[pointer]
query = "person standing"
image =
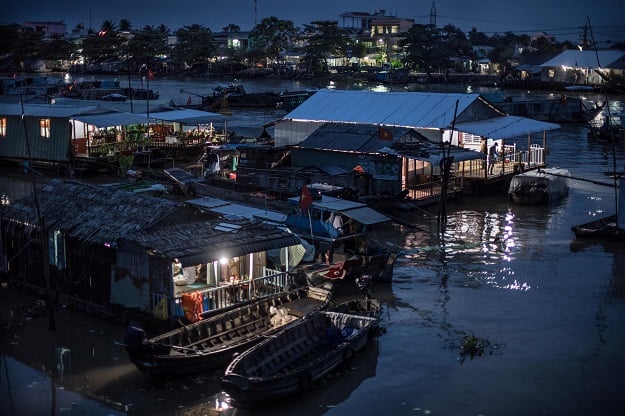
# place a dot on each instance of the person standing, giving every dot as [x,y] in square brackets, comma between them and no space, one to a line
[492,157]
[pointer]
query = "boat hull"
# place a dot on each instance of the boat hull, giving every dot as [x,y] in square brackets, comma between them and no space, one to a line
[603,228]
[297,358]
[212,342]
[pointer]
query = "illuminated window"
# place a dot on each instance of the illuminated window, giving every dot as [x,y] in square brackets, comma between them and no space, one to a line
[3,126]
[44,127]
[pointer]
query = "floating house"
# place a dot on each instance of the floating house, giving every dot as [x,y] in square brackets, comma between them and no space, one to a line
[62,135]
[113,250]
[578,68]
[399,139]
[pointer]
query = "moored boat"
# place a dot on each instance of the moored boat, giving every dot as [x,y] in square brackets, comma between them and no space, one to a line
[602,228]
[552,108]
[541,186]
[210,343]
[342,233]
[297,358]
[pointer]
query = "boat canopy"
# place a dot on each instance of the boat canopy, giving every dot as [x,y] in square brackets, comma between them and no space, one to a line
[505,127]
[355,210]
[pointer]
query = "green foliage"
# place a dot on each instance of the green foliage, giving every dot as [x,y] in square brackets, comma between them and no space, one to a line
[195,45]
[272,36]
[327,40]
[473,346]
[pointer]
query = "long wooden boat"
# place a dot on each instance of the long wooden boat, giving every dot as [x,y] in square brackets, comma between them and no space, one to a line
[297,358]
[211,342]
[605,228]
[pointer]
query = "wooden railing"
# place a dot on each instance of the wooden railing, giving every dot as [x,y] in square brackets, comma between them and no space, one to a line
[222,297]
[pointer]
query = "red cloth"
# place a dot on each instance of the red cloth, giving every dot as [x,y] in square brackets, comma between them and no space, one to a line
[305,199]
[192,306]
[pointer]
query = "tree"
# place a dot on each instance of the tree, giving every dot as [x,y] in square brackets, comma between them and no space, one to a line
[58,48]
[146,45]
[271,36]
[124,25]
[327,40]
[231,28]
[106,44]
[195,45]
[479,38]
[27,48]
[425,49]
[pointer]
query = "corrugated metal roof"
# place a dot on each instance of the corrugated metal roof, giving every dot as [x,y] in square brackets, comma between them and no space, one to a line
[350,137]
[112,119]
[352,209]
[407,109]
[43,110]
[94,214]
[229,210]
[203,243]
[105,215]
[187,116]
[586,59]
[505,127]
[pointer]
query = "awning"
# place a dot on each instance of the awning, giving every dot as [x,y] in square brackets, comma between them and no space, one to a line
[366,216]
[505,127]
[189,117]
[111,119]
[459,155]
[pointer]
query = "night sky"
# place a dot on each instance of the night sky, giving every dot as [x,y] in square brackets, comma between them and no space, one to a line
[562,19]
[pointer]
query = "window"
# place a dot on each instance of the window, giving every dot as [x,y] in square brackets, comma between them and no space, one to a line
[44,127]
[3,127]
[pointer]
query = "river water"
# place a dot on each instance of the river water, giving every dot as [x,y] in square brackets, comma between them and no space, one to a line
[550,309]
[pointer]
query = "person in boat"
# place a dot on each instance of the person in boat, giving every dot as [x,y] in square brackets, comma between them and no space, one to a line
[492,157]
[337,223]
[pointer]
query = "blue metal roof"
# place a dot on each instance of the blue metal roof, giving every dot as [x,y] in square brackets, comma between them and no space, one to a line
[407,109]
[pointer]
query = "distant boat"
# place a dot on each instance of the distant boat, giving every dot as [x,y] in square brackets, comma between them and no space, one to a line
[552,108]
[611,227]
[539,186]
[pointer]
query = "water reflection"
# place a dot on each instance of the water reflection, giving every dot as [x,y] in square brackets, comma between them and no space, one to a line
[26,391]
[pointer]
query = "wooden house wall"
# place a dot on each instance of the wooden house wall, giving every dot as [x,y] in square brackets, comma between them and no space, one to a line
[56,148]
[130,281]
[88,272]
[86,275]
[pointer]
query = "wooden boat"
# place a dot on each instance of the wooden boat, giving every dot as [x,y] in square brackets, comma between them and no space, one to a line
[345,249]
[297,358]
[211,342]
[539,186]
[603,228]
